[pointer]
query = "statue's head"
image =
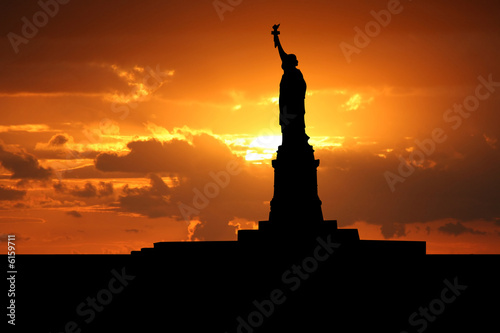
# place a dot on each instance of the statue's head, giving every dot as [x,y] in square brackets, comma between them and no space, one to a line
[290,62]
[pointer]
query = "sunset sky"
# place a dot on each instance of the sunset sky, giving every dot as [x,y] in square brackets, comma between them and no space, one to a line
[124,123]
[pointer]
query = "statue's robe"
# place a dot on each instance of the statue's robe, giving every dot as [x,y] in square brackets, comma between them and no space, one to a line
[291,103]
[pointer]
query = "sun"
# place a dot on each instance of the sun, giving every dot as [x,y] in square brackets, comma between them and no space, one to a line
[262,148]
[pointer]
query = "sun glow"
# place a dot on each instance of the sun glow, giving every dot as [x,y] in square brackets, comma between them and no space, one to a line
[262,148]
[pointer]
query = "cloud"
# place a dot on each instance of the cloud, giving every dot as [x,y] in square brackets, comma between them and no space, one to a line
[147,156]
[58,140]
[21,205]
[59,187]
[105,189]
[74,213]
[23,165]
[351,184]
[9,219]
[393,230]
[177,156]
[11,194]
[462,183]
[69,78]
[89,190]
[61,147]
[458,228]
[25,128]
[151,201]
[355,102]
[204,190]
[143,81]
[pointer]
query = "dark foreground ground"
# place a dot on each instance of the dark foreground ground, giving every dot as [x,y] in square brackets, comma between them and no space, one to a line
[231,287]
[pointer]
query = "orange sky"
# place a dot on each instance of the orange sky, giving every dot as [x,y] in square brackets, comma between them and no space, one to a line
[115,116]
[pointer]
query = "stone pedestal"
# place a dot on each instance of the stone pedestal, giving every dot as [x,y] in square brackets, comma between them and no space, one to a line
[295,198]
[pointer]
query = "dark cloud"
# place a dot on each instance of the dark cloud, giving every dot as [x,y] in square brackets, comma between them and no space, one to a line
[23,165]
[428,230]
[175,156]
[74,213]
[58,140]
[458,228]
[59,187]
[90,172]
[132,230]
[57,148]
[148,156]
[158,186]
[21,205]
[462,184]
[10,193]
[212,185]
[150,200]
[105,189]
[63,154]
[89,190]
[393,230]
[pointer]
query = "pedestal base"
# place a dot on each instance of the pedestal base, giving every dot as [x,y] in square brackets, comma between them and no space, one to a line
[271,239]
[295,198]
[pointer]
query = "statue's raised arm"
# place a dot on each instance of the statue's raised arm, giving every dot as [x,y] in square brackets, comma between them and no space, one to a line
[277,43]
[292,94]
